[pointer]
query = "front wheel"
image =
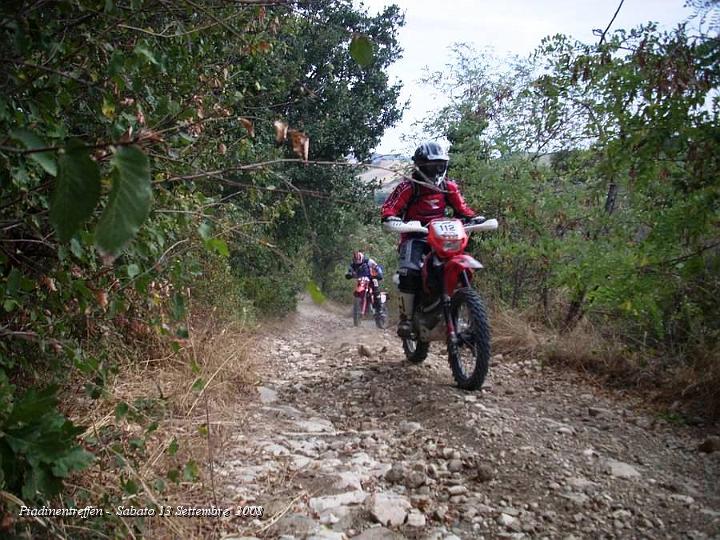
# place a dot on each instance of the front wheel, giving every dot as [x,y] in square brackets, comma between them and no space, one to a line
[470,356]
[357,310]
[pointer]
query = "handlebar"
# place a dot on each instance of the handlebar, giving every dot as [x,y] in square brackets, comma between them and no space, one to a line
[396,226]
[487,225]
[399,227]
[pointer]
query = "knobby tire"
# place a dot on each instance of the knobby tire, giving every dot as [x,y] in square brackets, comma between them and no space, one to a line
[480,336]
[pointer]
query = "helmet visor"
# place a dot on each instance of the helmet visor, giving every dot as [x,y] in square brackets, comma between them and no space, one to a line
[433,170]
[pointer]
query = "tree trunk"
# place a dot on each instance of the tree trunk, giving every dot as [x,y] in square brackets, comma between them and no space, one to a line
[610,197]
[574,312]
[518,278]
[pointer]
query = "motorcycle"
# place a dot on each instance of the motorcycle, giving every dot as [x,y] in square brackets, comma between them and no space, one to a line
[363,303]
[448,308]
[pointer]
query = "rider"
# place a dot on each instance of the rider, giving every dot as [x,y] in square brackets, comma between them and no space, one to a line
[364,266]
[423,197]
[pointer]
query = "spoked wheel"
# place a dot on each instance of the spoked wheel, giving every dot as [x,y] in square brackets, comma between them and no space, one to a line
[357,310]
[470,357]
[415,351]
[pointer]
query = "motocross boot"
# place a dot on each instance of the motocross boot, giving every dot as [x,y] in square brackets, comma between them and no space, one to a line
[406,304]
[377,304]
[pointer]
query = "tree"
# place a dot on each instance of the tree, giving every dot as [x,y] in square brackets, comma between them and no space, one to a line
[137,144]
[623,221]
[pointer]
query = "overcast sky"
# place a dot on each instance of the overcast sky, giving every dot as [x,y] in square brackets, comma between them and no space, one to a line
[506,26]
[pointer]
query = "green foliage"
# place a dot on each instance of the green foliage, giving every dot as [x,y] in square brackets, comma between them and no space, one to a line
[346,105]
[37,444]
[315,293]
[32,142]
[361,50]
[76,193]
[601,162]
[129,202]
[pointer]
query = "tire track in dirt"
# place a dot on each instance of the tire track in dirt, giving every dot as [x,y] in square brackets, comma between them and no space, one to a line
[348,440]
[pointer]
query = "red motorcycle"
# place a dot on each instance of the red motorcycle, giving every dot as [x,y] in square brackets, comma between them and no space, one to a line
[448,308]
[363,304]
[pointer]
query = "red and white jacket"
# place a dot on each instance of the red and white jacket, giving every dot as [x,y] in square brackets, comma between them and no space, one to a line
[424,203]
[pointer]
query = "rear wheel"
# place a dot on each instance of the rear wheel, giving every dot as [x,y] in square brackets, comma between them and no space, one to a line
[470,356]
[415,351]
[357,310]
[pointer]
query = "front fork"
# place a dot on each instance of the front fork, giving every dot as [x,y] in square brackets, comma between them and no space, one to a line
[452,339]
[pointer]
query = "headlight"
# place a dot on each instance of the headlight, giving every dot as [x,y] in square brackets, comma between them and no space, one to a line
[450,246]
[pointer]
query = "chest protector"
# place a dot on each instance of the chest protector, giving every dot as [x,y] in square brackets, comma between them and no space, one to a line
[426,203]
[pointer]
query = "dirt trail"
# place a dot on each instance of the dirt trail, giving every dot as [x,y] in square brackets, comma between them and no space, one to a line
[339,444]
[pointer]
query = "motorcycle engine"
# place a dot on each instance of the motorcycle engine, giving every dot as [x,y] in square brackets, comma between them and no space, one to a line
[429,325]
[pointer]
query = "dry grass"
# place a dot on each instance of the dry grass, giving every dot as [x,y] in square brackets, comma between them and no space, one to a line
[217,353]
[586,349]
[686,385]
[513,335]
[696,383]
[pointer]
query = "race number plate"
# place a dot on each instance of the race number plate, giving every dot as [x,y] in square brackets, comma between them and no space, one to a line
[447,229]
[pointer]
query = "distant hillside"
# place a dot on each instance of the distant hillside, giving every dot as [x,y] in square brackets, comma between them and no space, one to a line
[388,170]
[389,157]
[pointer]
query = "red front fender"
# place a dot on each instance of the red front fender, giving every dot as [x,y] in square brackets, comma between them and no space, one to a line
[361,286]
[456,266]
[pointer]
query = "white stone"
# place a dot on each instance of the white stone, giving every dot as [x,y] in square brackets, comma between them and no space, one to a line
[327,534]
[686,499]
[316,425]
[276,450]
[361,458]
[618,469]
[328,518]
[457,490]
[319,504]
[416,518]
[388,509]
[505,520]
[582,484]
[267,395]
[348,480]
[409,428]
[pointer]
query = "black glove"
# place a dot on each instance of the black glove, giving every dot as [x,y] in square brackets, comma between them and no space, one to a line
[348,275]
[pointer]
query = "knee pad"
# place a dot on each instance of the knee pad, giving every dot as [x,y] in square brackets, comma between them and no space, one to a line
[411,254]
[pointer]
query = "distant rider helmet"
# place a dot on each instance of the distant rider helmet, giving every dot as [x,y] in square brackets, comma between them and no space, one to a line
[357,257]
[432,162]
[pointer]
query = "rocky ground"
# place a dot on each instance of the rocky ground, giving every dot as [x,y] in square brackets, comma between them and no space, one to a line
[348,440]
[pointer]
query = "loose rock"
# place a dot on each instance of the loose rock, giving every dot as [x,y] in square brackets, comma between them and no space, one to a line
[710,445]
[388,509]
